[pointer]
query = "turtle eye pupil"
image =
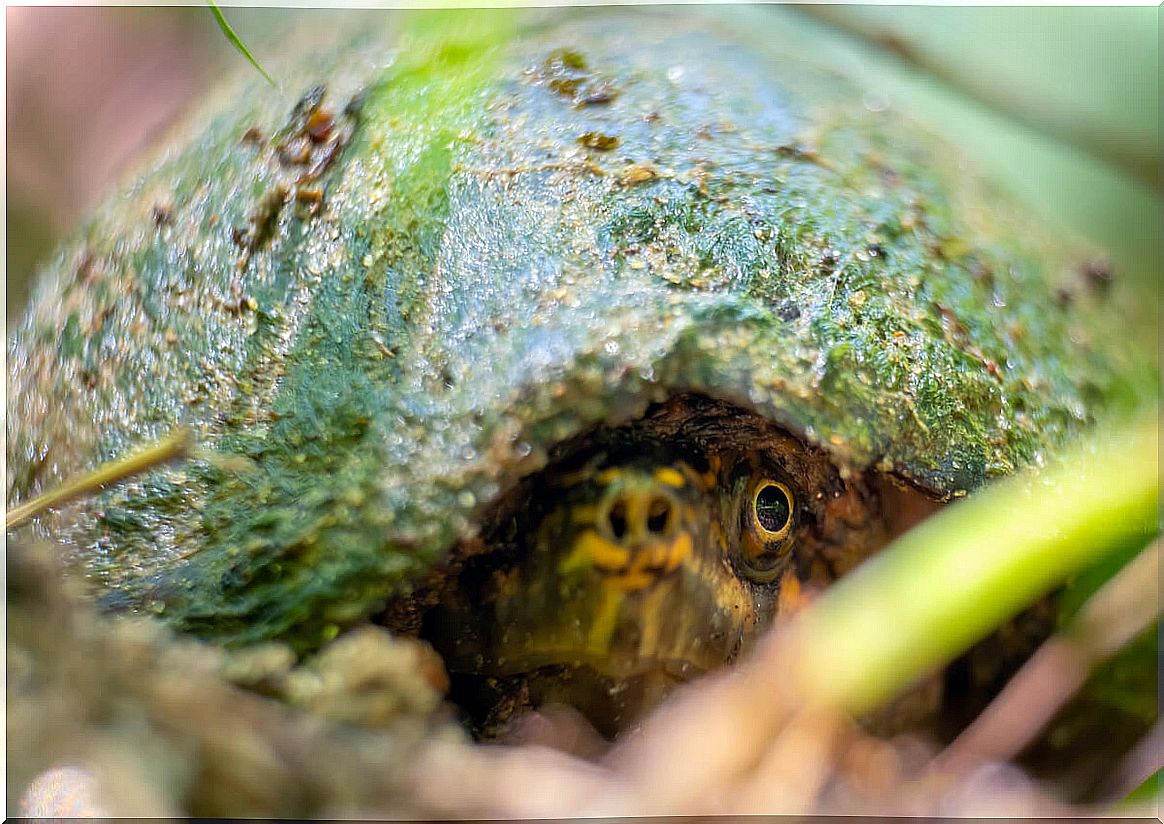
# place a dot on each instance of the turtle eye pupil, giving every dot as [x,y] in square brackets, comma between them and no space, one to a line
[773,509]
[658,516]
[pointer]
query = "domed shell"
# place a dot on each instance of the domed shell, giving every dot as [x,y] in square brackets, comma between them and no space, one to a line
[476,236]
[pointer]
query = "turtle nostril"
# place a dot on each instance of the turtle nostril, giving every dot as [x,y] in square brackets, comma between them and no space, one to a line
[659,516]
[630,518]
[618,520]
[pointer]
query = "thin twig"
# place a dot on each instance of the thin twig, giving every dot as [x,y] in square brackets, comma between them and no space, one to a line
[175,446]
[1144,761]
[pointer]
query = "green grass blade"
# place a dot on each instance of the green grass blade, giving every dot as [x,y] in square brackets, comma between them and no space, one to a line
[1149,792]
[236,41]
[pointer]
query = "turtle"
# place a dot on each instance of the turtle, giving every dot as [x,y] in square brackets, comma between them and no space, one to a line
[578,345]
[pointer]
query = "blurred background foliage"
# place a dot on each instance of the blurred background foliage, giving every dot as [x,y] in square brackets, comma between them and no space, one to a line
[86,90]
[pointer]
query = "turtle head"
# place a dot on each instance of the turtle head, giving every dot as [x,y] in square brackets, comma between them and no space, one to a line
[645,556]
[632,569]
[620,585]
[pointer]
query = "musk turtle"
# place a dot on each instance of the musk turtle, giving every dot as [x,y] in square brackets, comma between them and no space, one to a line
[574,344]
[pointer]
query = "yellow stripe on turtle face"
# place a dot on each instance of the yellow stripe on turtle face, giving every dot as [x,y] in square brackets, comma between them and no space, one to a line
[670,476]
[591,549]
[651,616]
[608,476]
[679,551]
[605,619]
[646,567]
[631,581]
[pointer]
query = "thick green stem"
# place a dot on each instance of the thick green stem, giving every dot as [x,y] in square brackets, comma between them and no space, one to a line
[962,573]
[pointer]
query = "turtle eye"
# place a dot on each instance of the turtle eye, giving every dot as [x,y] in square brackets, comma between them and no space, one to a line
[770,512]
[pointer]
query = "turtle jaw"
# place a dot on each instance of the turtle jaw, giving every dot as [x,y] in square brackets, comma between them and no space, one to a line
[680,622]
[676,624]
[587,641]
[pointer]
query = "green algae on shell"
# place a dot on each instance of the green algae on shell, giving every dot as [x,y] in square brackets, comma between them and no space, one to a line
[479,235]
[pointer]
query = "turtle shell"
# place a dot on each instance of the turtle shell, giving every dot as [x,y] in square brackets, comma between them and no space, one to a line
[478,235]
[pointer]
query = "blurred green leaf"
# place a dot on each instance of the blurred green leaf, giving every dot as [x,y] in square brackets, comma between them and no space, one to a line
[1078,75]
[1149,791]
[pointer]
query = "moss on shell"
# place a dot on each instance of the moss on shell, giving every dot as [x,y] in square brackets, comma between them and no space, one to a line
[395,321]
